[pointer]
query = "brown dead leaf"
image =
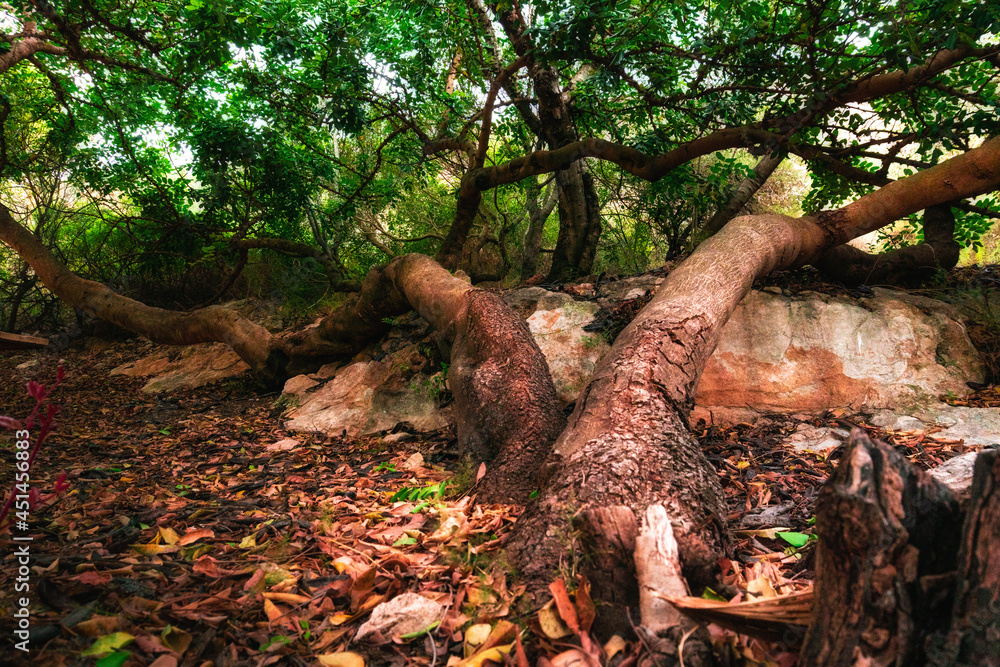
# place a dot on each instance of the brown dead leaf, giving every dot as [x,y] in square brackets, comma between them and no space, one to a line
[193,536]
[342,659]
[566,609]
[93,578]
[175,639]
[164,661]
[99,626]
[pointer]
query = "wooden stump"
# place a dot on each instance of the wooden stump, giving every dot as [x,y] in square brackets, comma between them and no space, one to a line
[888,544]
[974,635]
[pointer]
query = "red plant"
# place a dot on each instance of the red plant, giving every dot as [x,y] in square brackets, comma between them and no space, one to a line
[46,423]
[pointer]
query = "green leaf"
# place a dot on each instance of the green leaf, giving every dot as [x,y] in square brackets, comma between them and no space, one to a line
[115,659]
[795,539]
[709,594]
[404,541]
[108,643]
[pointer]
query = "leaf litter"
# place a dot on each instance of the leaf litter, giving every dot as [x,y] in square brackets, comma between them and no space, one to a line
[196,530]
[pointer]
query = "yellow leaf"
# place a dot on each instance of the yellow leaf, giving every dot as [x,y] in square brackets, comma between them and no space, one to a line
[761,587]
[249,542]
[342,659]
[290,598]
[153,549]
[272,610]
[551,623]
[475,636]
[108,643]
[169,535]
[614,646]
[742,464]
[495,654]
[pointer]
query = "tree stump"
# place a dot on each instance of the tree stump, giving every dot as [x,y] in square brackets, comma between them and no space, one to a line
[974,635]
[888,545]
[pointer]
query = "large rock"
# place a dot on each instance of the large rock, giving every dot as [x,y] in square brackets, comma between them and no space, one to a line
[572,353]
[187,367]
[369,397]
[810,352]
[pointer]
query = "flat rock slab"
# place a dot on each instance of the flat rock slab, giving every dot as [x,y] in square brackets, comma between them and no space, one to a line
[188,367]
[975,426]
[369,397]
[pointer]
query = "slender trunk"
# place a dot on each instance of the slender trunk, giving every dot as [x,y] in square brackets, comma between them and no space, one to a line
[747,188]
[538,213]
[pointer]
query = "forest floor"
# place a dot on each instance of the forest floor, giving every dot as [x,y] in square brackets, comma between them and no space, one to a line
[192,529]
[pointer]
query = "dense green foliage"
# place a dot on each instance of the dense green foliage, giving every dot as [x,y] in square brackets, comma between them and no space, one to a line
[151,137]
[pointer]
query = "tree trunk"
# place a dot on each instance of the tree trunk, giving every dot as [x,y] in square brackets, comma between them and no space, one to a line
[974,635]
[505,401]
[207,325]
[538,213]
[627,442]
[579,224]
[904,266]
[901,579]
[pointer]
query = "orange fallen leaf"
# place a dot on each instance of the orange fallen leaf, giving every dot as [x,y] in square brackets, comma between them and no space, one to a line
[193,536]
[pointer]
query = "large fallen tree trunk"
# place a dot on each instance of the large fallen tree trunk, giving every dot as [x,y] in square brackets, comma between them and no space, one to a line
[627,443]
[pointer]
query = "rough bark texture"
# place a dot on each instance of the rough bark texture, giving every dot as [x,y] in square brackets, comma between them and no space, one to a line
[903,266]
[887,543]
[974,635]
[506,407]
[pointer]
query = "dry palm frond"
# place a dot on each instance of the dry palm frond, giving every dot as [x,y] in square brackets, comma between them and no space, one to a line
[772,619]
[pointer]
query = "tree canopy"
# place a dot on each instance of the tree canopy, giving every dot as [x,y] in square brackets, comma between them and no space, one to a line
[347,132]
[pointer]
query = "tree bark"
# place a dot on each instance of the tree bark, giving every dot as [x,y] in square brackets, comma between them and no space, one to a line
[974,635]
[506,407]
[903,266]
[887,541]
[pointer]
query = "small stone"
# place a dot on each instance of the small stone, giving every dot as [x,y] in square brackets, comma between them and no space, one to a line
[956,473]
[283,445]
[299,385]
